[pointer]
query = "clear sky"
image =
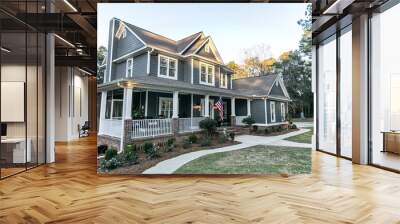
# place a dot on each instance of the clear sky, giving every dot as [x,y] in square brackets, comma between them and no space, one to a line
[233,27]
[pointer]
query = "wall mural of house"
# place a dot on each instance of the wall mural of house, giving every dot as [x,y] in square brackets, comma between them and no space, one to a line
[155,86]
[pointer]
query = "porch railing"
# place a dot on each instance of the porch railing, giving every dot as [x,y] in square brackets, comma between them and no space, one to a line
[239,120]
[151,127]
[189,124]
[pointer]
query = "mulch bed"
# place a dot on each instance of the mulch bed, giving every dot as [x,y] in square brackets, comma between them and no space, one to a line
[262,133]
[145,163]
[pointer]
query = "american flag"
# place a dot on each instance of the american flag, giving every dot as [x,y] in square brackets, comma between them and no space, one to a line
[220,107]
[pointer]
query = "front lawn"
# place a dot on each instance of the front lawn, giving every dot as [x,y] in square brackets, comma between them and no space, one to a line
[302,138]
[253,160]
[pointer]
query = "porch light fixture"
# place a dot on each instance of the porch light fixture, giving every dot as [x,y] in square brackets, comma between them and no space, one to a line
[64,40]
[5,50]
[70,5]
[127,84]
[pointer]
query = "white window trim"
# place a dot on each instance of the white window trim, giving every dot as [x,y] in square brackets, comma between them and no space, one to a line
[283,111]
[160,99]
[167,76]
[272,111]
[112,110]
[213,75]
[126,67]
[221,75]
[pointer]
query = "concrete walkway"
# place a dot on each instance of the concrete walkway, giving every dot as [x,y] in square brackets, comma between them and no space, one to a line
[171,165]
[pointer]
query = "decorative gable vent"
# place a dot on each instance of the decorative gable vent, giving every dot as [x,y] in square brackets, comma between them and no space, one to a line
[121,32]
[207,48]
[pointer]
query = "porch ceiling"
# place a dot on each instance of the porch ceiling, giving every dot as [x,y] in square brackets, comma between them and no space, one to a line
[169,85]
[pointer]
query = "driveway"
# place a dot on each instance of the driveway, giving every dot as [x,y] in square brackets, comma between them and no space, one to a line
[171,165]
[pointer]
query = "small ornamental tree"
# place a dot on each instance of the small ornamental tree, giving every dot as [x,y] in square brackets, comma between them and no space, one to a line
[209,125]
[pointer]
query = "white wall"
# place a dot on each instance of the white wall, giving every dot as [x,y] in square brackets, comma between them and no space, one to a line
[71,102]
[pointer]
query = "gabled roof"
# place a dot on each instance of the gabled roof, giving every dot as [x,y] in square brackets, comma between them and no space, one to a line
[184,43]
[259,85]
[183,47]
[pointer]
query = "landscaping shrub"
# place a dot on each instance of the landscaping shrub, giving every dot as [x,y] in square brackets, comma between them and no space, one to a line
[101,149]
[130,156]
[112,163]
[130,148]
[267,130]
[232,135]
[192,139]
[205,142]
[209,125]
[147,147]
[249,121]
[151,150]
[293,126]
[110,153]
[170,145]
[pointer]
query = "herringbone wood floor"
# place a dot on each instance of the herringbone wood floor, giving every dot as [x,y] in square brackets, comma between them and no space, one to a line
[70,191]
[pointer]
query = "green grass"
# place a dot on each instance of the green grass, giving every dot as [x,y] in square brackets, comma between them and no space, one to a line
[302,138]
[253,160]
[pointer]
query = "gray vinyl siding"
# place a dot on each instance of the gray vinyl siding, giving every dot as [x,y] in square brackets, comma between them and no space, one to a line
[118,71]
[196,71]
[153,65]
[257,110]
[125,45]
[277,90]
[140,65]
[241,107]
[109,58]
[229,81]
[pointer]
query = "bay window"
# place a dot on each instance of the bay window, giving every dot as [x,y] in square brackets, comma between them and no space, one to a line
[207,74]
[167,67]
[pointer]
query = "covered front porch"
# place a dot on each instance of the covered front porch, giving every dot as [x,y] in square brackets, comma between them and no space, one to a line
[139,113]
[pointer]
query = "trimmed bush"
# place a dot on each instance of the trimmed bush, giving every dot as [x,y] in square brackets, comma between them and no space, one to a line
[192,138]
[112,163]
[130,148]
[101,149]
[293,126]
[170,142]
[147,147]
[130,157]
[255,128]
[110,153]
[249,121]
[186,144]
[267,130]
[232,135]
[209,125]
[205,142]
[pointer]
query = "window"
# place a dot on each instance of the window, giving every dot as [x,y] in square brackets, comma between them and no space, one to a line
[207,74]
[114,104]
[283,111]
[167,67]
[165,107]
[223,80]
[129,67]
[272,107]
[207,48]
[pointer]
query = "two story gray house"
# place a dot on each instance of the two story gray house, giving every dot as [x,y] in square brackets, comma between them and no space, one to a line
[155,86]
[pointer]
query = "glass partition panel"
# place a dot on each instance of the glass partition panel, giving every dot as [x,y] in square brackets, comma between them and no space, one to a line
[346,93]
[14,153]
[385,89]
[327,96]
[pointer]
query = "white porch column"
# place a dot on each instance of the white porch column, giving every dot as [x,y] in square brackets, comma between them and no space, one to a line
[266,110]
[102,111]
[233,112]
[248,107]
[148,62]
[128,104]
[175,106]
[207,106]
[146,103]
